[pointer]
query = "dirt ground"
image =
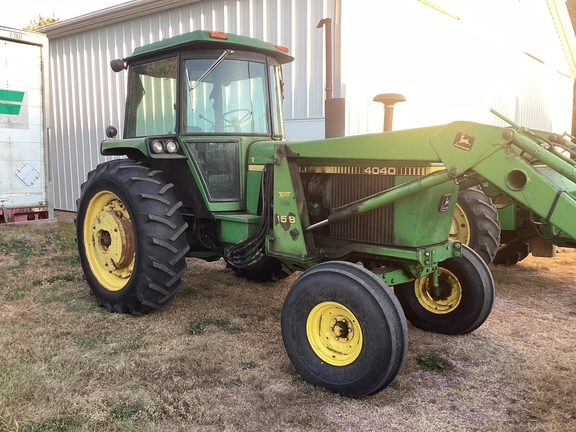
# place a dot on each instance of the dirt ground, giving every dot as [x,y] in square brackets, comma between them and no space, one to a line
[213,359]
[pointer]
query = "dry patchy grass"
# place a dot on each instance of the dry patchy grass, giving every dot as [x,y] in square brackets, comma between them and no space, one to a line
[213,359]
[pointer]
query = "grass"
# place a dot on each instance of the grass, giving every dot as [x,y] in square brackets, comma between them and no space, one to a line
[213,359]
[20,248]
[92,341]
[52,425]
[199,326]
[433,362]
[201,289]
[125,412]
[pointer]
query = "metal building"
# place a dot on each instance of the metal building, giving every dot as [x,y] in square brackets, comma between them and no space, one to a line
[87,96]
[452,59]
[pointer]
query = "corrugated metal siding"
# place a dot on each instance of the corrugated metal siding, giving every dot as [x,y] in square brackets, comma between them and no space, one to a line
[87,96]
[544,96]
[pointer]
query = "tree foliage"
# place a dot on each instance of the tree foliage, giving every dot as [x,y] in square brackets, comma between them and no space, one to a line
[41,22]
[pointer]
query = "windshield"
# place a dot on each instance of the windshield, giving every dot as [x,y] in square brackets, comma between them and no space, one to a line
[231,98]
[152,99]
[220,96]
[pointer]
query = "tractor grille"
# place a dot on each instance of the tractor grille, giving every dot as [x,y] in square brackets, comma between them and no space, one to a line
[376,226]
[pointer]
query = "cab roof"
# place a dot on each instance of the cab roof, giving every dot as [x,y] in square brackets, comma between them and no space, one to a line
[199,39]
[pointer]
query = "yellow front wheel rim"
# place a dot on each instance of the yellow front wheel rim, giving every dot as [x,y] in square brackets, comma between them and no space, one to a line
[443,299]
[108,238]
[460,229]
[334,333]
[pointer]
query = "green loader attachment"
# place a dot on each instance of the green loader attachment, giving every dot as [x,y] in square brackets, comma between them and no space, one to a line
[523,231]
[209,175]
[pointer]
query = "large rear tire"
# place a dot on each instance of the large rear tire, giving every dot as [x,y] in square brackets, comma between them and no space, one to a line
[130,236]
[462,302]
[513,252]
[344,330]
[476,223]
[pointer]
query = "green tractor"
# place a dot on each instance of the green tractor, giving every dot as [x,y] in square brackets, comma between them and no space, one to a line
[207,174]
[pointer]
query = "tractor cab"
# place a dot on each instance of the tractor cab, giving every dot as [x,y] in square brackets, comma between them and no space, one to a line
[221,92]
[203,97]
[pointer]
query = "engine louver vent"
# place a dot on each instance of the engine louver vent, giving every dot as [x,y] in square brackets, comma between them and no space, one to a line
[376,226]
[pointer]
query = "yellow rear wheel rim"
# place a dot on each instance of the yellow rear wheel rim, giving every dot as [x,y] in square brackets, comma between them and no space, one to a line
[442,300]
[460,229]
[334,333]
[108,238]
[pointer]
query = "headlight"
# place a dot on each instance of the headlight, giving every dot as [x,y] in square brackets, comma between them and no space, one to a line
[164,148]
[171,147]
[157,146]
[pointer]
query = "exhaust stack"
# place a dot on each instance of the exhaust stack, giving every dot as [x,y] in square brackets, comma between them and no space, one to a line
[334,108]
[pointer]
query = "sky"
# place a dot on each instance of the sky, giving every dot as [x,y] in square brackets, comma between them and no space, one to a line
[28,10]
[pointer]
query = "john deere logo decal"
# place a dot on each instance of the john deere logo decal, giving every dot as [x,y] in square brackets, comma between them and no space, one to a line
[463,141]
[11,102]
[445,202]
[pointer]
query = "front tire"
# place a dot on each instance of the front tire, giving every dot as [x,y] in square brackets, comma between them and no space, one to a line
[344,330]
[130,235]
[461,303]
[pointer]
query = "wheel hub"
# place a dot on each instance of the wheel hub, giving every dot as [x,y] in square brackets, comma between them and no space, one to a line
[341,329]
[109,240]
[113,239]
[442,299]
[105,240]
[334,333]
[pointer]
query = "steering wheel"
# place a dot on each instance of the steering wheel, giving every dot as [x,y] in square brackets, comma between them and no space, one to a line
[234,122]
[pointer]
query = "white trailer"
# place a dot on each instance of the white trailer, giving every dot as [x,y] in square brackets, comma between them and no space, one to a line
[24,176]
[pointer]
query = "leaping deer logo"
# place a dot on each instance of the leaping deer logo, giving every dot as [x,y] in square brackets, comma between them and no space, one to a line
[463,141]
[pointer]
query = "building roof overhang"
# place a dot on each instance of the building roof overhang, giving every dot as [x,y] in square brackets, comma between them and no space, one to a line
[111,15]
